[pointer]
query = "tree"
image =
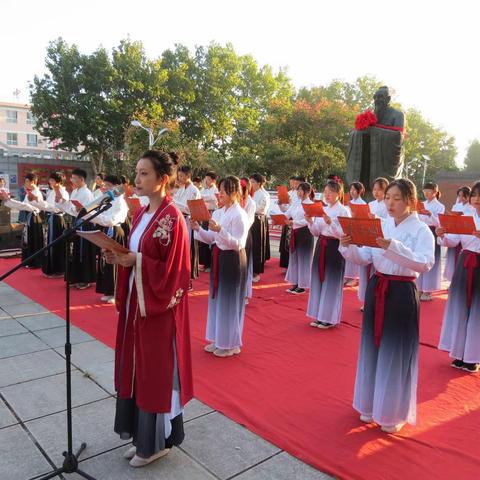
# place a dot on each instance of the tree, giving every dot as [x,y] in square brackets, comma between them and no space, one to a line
[86,102]
[472,160]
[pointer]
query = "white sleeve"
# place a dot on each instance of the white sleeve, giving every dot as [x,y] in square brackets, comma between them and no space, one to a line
[449,240]
[16,205]
[115,215]
[316,227]
[235,240]
[356,254]
[422,260]
[67,207]
[44,205]
[205,236]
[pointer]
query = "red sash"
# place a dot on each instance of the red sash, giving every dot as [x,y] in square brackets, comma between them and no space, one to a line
[470,263]
[321,256]
[381,289]
[215,258]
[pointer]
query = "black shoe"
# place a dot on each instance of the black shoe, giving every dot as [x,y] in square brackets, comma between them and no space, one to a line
[291,289]
[298,291]
[457,364]
[190,286]
[471,367]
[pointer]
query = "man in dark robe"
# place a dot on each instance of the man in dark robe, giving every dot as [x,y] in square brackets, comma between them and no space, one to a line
[376,150]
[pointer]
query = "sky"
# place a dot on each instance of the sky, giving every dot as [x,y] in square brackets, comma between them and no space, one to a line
[426,51]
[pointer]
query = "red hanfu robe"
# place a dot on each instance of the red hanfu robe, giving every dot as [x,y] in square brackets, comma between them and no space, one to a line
[157,315]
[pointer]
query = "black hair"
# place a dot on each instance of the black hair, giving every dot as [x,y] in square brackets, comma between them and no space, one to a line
[32,177]
[307,189]
[80,172]
[113,179]
[101,175]
[231,185]
[475,190]
[174,156]
[336,186]
[465,191]
[186,169]
[57,176]
[358,186]
[293,177]
[258,177]
[196,179]
[407,189]
[300,178]
[433,186]
[382,183]
[162,162]
[124,179]
[212,175]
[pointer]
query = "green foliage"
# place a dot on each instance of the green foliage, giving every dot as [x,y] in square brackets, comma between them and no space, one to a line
[223,111]
[472,160]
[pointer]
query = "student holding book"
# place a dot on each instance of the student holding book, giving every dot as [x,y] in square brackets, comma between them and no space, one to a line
[209,195]
[352,272]
[378,209]
[187,191]
[328,266]
[82,266]
[387,369]
[153,374]
[228,232]
[301,242]
[430,281]
[249,206]
[54,259]
[461,322]
[32,237]
[111,223]
[462,205]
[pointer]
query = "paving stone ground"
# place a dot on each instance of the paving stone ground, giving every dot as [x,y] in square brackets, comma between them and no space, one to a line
[33,418]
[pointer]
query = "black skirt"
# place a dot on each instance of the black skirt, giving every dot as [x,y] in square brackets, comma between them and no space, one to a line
[83,258]
[260,243]
[106,272]
[54,258]
[32,240]
[204,251]
[284,247]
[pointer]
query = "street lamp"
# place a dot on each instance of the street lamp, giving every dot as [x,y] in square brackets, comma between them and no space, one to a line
[425,159]
[151,139]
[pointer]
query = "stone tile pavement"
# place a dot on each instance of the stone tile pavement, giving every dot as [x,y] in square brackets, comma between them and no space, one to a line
[33,419]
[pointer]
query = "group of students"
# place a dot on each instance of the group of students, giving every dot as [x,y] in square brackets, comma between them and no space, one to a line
[153,376]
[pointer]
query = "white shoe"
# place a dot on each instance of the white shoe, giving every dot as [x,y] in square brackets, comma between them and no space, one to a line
[108,299]
[366,418]
[247,301]
[324,325]
[138,462]
[210,348]
[392,428]
[130,453]
[229,352]
[256,279]
[314,324]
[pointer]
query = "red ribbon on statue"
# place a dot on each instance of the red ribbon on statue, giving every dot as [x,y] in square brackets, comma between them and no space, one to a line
[322,254]
[381,290]
[215,258]
[368,119]
[470,263]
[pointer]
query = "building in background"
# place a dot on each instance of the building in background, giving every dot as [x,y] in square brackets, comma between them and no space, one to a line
[24,150]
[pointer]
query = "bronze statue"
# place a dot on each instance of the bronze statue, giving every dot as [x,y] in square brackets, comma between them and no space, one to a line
[376,145]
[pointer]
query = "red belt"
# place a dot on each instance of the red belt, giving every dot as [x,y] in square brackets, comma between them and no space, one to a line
[292,240]
[321,257]
[215,257]
[470,263]
[381,289]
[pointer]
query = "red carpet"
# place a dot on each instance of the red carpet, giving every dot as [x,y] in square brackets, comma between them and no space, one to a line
[293,385]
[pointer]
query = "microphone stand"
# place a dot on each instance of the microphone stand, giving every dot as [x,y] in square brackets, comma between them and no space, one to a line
[70,464]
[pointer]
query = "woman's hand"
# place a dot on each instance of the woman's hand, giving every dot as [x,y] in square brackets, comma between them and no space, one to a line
[383,243]
[309,219]
[372,215]
[440,231]
[194,225]
[476,233]
[214,226]
[3,195]
[345,240]
[425,212]
[123,259]
[327,219]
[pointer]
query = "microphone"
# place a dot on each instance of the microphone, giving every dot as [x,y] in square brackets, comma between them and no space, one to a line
[107,197]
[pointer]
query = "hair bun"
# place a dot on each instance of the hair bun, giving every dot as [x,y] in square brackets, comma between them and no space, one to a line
[174,156]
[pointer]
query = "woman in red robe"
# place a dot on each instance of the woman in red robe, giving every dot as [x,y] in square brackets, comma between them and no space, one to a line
[153,375]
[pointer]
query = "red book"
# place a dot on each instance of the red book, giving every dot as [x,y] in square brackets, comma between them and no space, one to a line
[364,231]
[198,210]
[279,219]
[283,197]
[359,211]
[459,224]
[313,209]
